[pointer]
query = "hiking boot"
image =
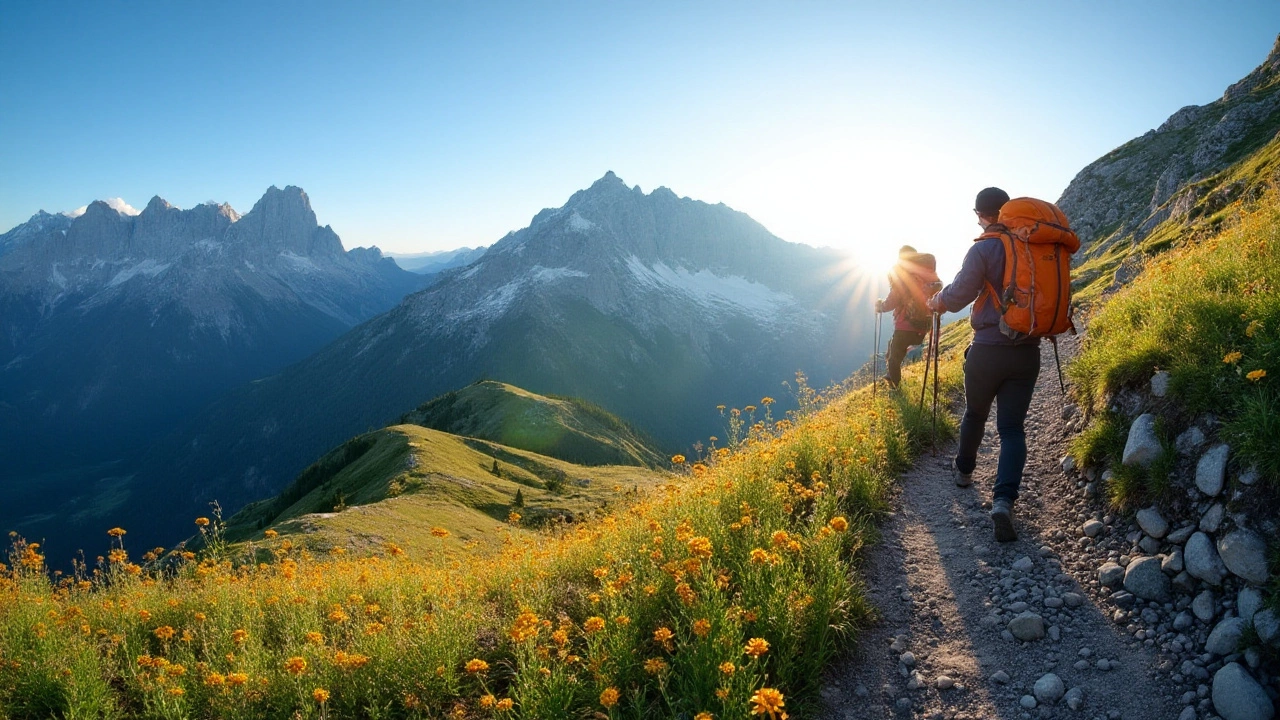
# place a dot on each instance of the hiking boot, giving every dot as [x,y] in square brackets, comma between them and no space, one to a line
[1002,519]
[962,479]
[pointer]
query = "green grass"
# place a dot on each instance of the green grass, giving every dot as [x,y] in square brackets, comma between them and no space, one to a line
[1189,313]
[561,427]
[396,484]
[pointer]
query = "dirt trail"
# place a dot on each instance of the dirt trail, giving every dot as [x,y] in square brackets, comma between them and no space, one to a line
[946,591]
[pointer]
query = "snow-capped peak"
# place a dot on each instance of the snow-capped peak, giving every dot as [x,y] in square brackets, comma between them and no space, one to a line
[115,203]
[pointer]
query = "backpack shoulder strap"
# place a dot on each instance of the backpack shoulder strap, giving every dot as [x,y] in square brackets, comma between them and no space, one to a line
[996,231]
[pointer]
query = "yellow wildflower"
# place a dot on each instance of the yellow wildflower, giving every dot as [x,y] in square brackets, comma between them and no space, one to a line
[767,701]
[320,695]
[1256,375]
[609,697]
[756,647]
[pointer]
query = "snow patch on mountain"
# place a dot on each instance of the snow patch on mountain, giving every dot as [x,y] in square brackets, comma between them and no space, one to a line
[546,274]
[472,271]
[577,223]
[710,290]
[301,264]
[148,267]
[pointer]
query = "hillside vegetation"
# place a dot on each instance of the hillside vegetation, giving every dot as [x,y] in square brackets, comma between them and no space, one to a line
[567,428]
[1208,313]
[396,484]
[722,593]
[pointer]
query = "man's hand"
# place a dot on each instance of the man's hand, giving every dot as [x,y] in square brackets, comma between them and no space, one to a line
[935,303]
[879,306]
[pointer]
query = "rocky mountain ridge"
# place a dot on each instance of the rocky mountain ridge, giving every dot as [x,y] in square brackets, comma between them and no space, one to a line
[1184,172]
[114,327]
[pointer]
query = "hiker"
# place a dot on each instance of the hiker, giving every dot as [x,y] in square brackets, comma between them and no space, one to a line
[910,283]
[1003,360]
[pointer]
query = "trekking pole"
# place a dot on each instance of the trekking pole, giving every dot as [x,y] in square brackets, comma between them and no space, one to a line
[875,350]
[924,381]
[937,330]
[1062,386]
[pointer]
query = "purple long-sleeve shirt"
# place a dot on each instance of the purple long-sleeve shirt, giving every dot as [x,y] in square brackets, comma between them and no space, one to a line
[983,263]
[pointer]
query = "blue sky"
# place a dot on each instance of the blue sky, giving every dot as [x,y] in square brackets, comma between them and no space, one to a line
[419,126]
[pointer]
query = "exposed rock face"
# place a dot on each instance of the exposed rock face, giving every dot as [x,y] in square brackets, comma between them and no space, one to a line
[1124,195]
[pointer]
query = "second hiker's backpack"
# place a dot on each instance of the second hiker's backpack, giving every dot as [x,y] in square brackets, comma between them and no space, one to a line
[915,276]
[1035,300]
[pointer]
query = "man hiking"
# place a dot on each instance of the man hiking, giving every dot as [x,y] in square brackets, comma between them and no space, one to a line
[910,283]
[997,367]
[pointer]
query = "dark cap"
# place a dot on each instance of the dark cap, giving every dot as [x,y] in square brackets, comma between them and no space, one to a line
[990,200]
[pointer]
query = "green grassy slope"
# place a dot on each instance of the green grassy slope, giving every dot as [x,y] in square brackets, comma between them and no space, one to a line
[1208,313]
[398,483]
[560,427]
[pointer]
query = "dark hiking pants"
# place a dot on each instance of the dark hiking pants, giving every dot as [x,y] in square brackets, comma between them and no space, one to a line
[898,344]
[1007,375]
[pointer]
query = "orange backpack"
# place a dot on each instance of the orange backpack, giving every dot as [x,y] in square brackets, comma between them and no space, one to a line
[1038,243]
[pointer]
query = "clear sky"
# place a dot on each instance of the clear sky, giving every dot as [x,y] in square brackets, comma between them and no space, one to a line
[424,125]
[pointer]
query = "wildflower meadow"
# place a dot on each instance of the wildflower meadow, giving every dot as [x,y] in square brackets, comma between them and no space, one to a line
[723,594]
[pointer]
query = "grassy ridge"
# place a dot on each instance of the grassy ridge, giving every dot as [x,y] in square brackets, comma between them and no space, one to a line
[567,428]
[396,484]
[721,594]
[1208,313]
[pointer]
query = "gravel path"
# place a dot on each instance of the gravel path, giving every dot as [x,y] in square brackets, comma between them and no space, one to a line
[947,593]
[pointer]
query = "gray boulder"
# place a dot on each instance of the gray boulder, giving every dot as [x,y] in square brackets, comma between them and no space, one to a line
[1204,606]
[1075,698]
[1146,579]
[1152,522]
[1202,560]
[1160,384]
[1267,626]
[1212,518]
[1212,470]
[1225,637]
[1190,440]
[1142,446]
[1179,536]
[1237,696]
[1245,554]
[1110,574]
[1172,563]
[1248,602]
[1027,627]
[1049,689]
[1092,528]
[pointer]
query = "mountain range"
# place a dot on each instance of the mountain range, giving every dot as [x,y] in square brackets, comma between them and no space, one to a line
[116,327]
[430,263]
[654,307]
